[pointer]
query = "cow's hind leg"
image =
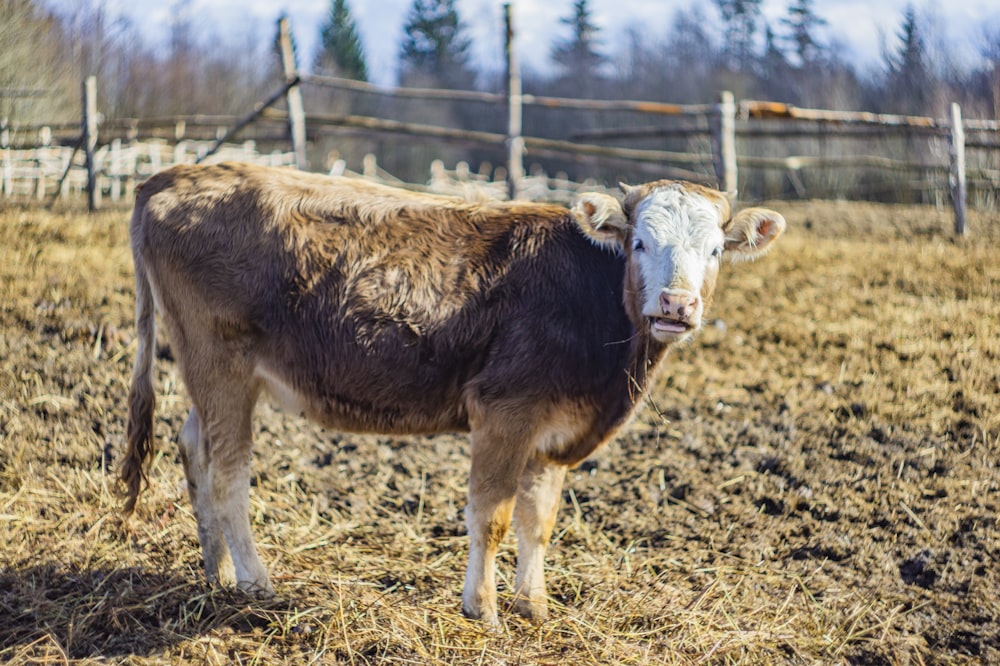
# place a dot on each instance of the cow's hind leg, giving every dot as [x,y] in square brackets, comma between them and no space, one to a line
[229,434]
[538,499]
[224,394]
[194,455]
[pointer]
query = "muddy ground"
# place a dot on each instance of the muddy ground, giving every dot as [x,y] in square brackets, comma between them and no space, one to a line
[814,480]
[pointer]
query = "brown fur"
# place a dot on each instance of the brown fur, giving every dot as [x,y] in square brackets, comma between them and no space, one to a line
[380,310]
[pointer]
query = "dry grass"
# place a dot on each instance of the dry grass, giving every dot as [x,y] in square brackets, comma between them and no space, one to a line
[814,482]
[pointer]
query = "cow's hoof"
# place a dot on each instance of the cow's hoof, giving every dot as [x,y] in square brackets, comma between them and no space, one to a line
[256,589]
[485,615]
[534,610]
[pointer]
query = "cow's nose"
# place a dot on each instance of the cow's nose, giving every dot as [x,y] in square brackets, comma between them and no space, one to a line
[678,304]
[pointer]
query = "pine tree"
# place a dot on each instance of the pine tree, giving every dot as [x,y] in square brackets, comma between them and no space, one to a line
[802,24]
[578,56]
[340,47]
[435,44]
[739,18]
[909,74]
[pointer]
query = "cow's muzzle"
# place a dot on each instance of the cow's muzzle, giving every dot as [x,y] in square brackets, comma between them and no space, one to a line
[679,313]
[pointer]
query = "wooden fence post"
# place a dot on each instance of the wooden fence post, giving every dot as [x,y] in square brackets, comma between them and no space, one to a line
[90,140]
[296,110]
[6,178]
[42,154]
[724,143]
[117,169]
[515,141]
[956,177]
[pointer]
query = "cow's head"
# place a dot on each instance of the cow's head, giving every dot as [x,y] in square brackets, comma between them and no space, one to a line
[674,236]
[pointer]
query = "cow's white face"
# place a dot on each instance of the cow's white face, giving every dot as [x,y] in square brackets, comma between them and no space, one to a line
[674,236]
[675,249]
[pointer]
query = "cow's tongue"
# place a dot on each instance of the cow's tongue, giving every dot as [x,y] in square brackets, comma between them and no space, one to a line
[669,325]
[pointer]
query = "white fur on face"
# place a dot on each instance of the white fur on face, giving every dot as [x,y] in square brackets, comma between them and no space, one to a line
[676,241]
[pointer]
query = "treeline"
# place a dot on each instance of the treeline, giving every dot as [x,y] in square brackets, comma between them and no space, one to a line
[199,70]
[708,47]
[723,45]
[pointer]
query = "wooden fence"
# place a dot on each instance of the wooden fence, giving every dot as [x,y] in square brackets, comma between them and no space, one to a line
[733,142]
[45,162]
[48,171]
[722,122]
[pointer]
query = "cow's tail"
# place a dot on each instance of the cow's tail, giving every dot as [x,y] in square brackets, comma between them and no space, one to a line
[141,395]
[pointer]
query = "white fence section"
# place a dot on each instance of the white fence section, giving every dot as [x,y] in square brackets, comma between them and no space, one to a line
[60,171]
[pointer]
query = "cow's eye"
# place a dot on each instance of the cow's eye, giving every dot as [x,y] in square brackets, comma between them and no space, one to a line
[717,253]
[638,246]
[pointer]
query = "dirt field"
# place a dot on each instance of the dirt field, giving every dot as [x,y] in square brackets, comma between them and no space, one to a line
[814,481]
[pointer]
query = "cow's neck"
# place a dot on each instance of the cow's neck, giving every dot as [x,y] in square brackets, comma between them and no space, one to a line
[644,360]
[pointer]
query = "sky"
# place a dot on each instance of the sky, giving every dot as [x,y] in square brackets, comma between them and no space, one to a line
[861,25]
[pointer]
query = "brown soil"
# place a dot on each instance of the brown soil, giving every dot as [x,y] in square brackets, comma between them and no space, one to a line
[815,480]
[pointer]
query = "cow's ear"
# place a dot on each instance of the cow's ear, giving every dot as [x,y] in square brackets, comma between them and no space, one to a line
[601,218]
[750,232]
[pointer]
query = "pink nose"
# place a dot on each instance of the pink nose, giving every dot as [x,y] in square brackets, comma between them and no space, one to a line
[678,304]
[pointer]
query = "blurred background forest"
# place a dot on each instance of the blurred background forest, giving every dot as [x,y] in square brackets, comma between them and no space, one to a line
[709,47]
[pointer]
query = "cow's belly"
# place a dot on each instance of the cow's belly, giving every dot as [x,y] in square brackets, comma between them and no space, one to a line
[403,414]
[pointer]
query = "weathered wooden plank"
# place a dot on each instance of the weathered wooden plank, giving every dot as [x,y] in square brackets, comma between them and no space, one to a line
[296,110]
[515,141]
[956,177]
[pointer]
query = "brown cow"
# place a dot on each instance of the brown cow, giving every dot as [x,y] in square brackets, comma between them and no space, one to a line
[370,309]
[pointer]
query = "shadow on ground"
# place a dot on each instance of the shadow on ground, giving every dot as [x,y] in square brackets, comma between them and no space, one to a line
[49,610]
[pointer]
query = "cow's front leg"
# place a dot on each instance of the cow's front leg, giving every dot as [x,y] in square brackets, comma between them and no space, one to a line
[498,460]
[538,499]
